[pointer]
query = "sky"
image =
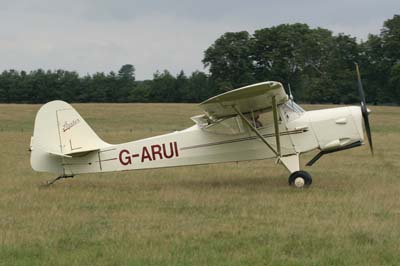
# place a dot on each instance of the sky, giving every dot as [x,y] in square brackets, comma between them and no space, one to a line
[91,36]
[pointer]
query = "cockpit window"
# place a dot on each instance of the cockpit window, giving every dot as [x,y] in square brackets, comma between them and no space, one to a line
[229,126]
[291,110]
[297,107]
[266,119]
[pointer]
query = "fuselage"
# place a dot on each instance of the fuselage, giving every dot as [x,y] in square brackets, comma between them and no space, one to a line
[299,132]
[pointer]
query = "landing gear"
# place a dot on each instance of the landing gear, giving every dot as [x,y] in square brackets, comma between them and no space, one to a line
[300,179]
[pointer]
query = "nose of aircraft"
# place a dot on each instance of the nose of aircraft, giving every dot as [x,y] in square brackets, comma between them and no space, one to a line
[337,127]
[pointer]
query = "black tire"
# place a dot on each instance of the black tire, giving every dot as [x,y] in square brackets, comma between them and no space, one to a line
[307,179]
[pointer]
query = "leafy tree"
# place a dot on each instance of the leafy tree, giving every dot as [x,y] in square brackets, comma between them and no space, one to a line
[127,72]
[230,62]
[163,88]
[126,83]
[390,35]
[199,88]
[341,69]
[278,52]
[394,82]
[380,55]
[375,69]
[292,54]
[43,86]
[8,83]
[69,86]
[141,92]
[97,87]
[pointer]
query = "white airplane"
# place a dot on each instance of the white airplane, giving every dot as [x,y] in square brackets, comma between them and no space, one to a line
[255,122]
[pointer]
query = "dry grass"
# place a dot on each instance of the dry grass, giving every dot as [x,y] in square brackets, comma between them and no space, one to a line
[227,214]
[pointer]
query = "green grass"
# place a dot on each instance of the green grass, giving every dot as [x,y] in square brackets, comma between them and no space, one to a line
[226,214]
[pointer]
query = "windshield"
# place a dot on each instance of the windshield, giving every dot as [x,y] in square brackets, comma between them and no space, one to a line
[291,110]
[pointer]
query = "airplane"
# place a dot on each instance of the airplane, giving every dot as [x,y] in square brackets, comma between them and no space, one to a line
[255,122]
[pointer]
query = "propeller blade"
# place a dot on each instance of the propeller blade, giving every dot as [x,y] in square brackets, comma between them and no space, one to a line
[368,129]
[361,90]
[364,110]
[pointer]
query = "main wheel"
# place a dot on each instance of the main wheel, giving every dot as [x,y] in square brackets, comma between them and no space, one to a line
[300,179]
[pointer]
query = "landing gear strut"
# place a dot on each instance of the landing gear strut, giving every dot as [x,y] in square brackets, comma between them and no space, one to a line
[300,179]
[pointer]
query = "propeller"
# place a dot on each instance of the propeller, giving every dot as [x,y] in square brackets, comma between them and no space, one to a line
[364,110]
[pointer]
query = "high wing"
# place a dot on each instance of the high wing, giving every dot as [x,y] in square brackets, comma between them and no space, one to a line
[257,97]
[252,98]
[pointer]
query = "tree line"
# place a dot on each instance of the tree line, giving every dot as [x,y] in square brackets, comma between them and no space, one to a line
[41,86]
[318,65]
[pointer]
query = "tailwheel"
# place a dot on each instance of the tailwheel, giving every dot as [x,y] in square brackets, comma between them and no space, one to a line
[300,179]
[51,182]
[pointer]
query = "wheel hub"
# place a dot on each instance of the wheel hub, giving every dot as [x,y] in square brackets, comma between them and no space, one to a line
[299,182]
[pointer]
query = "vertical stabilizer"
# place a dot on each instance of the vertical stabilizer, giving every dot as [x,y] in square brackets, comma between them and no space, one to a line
[60,132]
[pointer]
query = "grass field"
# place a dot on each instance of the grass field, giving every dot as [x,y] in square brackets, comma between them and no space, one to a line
[226,214]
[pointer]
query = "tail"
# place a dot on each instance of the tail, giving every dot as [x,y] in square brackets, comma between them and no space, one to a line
[60,132]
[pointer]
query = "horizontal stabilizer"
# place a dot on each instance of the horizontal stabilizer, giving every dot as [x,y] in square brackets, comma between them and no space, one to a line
[72,154]
[59,154]
[82,151]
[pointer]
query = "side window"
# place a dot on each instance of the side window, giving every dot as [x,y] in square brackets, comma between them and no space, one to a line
[267,119]
[263,120]
[230,126]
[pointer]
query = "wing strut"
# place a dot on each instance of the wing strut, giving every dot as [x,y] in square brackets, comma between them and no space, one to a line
[255,130]
[277,136]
